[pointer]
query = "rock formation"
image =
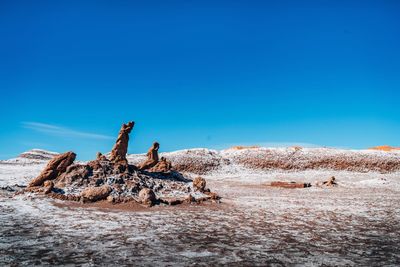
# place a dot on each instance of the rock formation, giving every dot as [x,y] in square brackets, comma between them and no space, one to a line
[162,166]
[96,193]
[331,182]
[118,153]
[116,180]
[54,168]
[290,184]
[199,184]
[48,186]
[147,196]
[152,157]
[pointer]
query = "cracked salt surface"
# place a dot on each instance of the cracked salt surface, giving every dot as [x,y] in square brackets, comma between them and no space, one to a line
[355,224]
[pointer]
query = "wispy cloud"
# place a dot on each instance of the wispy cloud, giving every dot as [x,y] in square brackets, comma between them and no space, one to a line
[62,131]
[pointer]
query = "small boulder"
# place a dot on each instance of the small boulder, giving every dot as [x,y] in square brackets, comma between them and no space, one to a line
[147,196]
[199,184]
[48,186]
[96,193]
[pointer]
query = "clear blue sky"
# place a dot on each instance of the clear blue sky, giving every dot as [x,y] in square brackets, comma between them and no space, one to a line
[198,74]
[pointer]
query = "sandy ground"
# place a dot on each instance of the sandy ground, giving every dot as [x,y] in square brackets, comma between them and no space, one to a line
[355,224]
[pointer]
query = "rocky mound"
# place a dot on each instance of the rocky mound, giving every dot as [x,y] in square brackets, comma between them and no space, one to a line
[114,179]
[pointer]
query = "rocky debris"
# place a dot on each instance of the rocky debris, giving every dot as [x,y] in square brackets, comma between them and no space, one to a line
[152,157]
[118,153]
[75,173]
[101,157]
[96,193]
[147,197]
[199,184]
[289,184]
[330,183]
[163,165]
[54,168]
[48,186]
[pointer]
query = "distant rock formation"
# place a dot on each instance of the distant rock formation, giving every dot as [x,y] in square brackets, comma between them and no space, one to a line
[330,183]
[118,153]
[38,154]
[152,157]
[385,148]
[290,184]
[54,168]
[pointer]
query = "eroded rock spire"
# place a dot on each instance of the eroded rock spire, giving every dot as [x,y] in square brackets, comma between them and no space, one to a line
[118,153]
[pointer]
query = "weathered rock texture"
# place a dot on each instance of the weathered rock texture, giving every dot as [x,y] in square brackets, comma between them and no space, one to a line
[162,166]
[118,153]
[96,193]
[152,157]
[147,196]
[54,168]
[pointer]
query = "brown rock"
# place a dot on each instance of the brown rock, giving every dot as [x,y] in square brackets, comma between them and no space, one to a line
[110,199]
[199,184]
[290,184]
[190,199]
[100,157]
[147,196]
[331,182]
[75,173]
[49,185]
[152,157]
[162,166]
[96,193]
[118,153]
[54,168]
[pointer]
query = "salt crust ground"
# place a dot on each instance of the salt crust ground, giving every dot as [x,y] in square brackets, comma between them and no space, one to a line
[357,223]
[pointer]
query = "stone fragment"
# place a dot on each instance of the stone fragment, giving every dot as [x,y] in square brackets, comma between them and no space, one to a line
[199,184]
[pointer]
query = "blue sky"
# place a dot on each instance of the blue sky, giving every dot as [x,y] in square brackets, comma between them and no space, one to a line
[198,74]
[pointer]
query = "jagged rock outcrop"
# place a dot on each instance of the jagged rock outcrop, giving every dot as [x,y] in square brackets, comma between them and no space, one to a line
[118,153]
[96,193]
[54,168]
[152,157]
